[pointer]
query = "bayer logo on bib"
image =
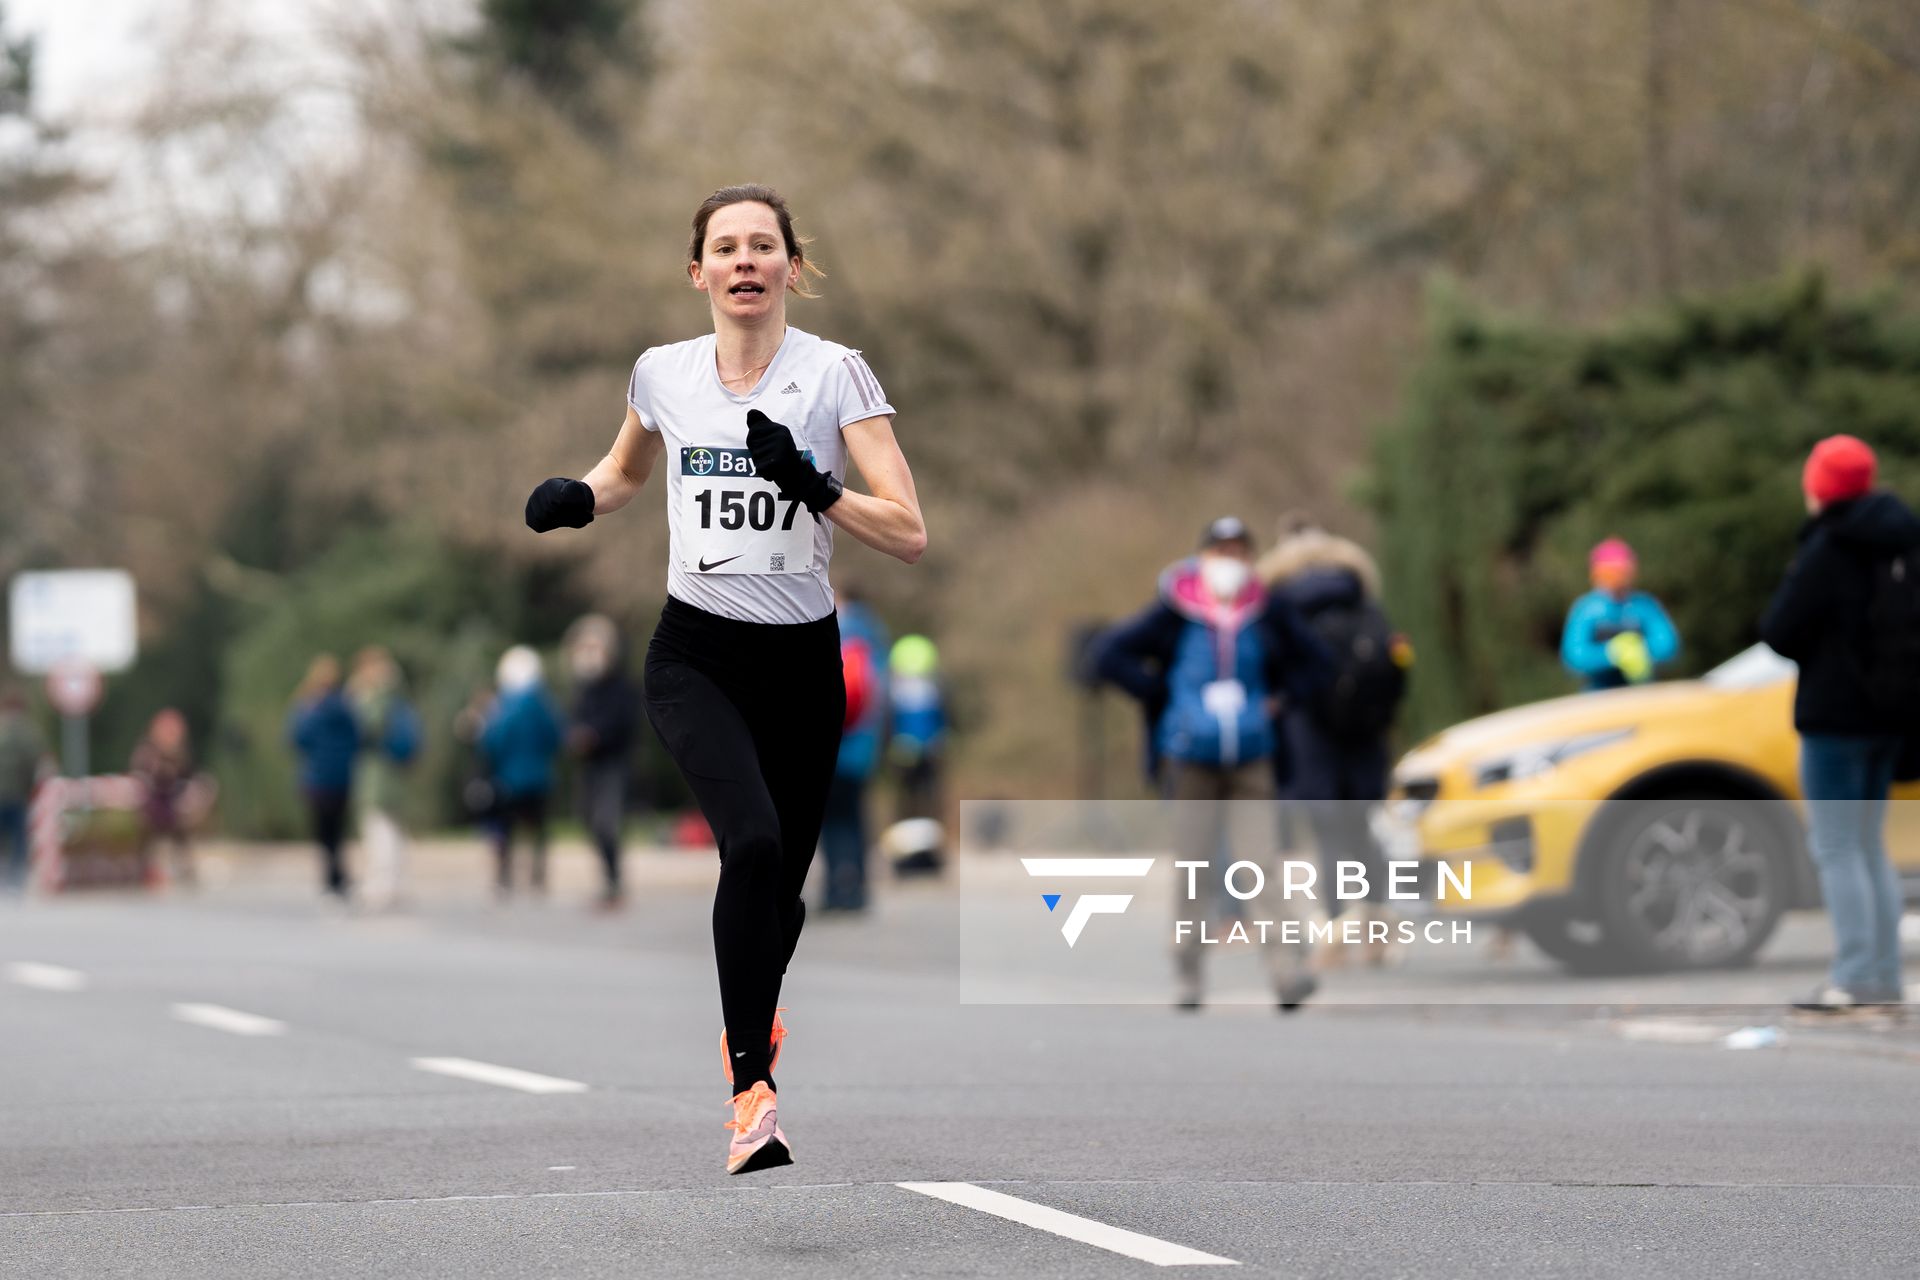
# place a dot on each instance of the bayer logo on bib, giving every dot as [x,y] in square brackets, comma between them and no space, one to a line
[731,521]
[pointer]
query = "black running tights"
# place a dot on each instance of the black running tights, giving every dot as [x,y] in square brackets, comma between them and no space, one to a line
[751,713]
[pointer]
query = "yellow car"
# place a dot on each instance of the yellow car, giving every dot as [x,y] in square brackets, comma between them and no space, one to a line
[1650,827]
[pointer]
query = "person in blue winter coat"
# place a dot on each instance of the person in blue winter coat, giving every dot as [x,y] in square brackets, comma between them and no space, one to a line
[843,832]
[1615,635]
[520,740]
[1210,661]
[323,731]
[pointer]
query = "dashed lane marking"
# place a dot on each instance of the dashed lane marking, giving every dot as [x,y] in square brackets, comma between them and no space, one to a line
[46,977]
[505,1077]
[220,1018]
[762,1189]
[1131,1244]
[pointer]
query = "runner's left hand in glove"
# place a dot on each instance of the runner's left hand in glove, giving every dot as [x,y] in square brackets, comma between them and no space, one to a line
[559,503]
[777,458]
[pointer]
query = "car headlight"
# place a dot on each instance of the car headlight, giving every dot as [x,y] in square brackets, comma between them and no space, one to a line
[1537,758]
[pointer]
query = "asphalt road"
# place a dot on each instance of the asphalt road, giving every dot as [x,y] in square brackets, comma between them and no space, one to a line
[143,1133]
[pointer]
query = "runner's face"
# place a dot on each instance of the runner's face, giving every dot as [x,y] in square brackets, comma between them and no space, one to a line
[744,268]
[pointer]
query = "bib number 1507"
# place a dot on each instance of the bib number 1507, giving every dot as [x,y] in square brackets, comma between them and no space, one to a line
[736,509]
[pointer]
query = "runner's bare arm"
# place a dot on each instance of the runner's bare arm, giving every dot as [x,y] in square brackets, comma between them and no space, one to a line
[889,518]
[621,474]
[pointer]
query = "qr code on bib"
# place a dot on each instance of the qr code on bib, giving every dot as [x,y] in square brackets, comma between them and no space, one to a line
[777,562]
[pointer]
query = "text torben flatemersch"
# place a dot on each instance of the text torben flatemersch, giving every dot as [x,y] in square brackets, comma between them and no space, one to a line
[1248,880]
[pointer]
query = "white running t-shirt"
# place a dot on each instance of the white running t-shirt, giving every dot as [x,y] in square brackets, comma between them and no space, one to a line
[737,548]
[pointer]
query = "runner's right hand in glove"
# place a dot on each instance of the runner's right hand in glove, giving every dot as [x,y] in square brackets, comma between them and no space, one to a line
[558,503]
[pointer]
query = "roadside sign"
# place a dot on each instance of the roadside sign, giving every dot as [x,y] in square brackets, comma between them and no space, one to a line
[84,614]
[73,687]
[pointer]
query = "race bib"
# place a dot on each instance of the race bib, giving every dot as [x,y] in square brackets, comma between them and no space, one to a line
[731,521]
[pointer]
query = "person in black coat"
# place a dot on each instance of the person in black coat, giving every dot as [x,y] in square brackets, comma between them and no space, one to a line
[1338,746]
[1850,722]
[606,713]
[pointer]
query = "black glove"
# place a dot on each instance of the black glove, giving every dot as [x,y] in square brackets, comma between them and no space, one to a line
[777,458]
[559,502]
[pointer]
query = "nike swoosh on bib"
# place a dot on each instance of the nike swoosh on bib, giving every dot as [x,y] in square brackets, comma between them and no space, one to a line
[705,567]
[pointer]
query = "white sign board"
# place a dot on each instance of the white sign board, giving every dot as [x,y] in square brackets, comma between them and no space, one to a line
[86,614]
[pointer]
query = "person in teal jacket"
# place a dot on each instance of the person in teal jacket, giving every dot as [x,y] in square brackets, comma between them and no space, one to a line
[520,741]
[1615,635]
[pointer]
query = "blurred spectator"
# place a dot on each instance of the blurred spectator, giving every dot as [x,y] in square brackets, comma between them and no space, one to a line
[917,736]
[1848,613]
[606,710]
[1209,661]
[23,757]
[843,834]
[1337,741]
[323,730]
[391,728]
[163,764]
[520,741]
[1615,635]
[476,785]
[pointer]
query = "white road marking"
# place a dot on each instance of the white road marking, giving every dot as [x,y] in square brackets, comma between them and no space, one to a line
[505,1077]
[1098,1234]
[231,1020]
[1668,1031]
[798,1188]
[47,977]
[562,1168]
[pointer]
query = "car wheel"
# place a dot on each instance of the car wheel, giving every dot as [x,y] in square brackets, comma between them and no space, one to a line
[1691,884]
[1579,945]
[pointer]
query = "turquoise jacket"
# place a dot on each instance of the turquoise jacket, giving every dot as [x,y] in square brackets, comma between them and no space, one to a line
[1598,617]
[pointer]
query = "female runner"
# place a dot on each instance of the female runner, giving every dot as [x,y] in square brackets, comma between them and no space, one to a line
[757,422]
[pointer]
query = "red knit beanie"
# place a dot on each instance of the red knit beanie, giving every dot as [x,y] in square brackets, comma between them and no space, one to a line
[1840,467]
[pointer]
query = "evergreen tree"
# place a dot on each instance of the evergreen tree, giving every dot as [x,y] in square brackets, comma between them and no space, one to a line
[1520,445]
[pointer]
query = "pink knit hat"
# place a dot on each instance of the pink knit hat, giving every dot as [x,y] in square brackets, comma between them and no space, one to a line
[1612,552]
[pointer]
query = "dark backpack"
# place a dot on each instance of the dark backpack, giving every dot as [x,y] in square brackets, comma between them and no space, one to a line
[1360,702]
[1893,637]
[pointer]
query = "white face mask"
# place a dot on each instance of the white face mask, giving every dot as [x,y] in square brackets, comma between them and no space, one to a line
[1223,576]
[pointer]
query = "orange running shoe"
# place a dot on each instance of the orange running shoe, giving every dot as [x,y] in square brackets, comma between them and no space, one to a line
[757,1142]
[779,1035]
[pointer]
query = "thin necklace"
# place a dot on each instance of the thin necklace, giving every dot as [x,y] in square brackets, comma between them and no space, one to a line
[741,377]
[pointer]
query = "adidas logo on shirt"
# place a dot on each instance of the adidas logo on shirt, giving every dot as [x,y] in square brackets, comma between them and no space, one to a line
[791,389]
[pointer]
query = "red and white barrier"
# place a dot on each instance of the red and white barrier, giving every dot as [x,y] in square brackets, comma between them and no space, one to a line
[58,804]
